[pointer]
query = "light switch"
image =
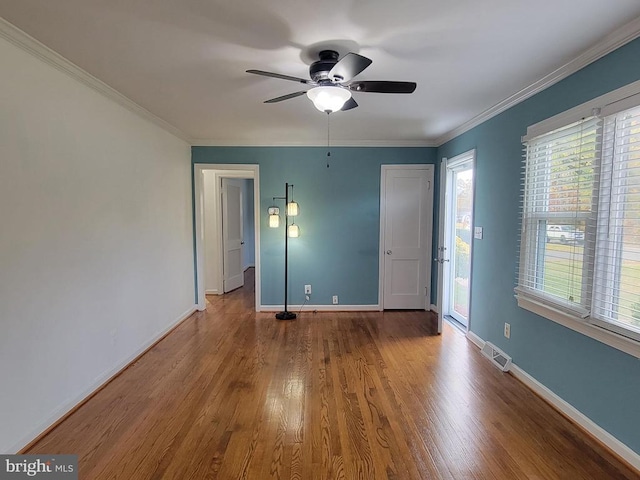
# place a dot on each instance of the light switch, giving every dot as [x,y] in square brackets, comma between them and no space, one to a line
[477,233]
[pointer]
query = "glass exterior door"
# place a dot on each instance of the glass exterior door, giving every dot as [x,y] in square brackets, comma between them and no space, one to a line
[455,253]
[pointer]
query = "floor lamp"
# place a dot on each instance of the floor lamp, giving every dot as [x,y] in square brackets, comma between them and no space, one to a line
[291,209]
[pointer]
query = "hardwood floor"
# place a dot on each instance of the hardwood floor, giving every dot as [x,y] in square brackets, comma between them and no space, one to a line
[233,394]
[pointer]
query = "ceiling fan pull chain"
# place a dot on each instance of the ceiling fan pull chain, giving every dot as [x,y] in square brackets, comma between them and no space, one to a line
[328,136]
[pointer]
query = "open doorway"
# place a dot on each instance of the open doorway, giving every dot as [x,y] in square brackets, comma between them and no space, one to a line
[455,245]
[237,232]
[225,251]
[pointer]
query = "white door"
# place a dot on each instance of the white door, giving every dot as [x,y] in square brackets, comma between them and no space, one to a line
[406,226]
[454,250]
[233,275]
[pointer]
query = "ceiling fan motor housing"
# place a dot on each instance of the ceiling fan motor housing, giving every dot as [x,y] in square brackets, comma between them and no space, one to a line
[319,70]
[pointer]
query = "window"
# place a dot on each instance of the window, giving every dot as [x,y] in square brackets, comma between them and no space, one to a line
[616,298]
[580,240]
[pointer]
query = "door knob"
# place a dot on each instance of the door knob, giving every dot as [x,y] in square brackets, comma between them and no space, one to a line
[242,243]
[389,252]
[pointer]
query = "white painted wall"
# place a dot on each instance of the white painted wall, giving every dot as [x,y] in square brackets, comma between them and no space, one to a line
[212,267]
[96,252]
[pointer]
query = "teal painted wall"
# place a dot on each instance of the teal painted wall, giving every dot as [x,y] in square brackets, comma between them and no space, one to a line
[598,380]
[337,251]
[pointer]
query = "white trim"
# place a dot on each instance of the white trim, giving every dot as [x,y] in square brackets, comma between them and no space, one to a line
[224,170]
[321,308]
[434,308]
[565,319]
[198,199]
[381,226]
[569,315]
[579,418]
[608,44]
[475,339]
[569,411]
[214,291]
[29,44]
[611,42]
[247,267]
[609,103]
[441,224]
[448,167]
[96,385]
[625,103]
[204,142]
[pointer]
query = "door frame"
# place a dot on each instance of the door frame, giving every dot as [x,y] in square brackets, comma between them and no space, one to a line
[442,224]
[240,171]
[429,240]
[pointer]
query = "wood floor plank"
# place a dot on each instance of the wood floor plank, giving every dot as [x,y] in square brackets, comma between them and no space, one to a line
[234,394]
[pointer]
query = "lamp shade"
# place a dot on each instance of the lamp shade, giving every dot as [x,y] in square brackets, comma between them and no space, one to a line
[294,231]
[292,209]
[274,217]
[329,98]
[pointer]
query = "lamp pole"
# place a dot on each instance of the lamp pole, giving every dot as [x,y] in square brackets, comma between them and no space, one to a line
[286,315]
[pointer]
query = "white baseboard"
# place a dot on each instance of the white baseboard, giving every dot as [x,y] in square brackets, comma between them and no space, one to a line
[569,411]
[213,291]
[433,308]
[475,339]
[321,308]
[98,383]
[247,267]
[578,417]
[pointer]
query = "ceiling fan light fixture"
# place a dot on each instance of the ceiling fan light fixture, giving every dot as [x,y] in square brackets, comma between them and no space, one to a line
[329,98]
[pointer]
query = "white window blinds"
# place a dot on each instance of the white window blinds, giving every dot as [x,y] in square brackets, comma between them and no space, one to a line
[580,244]
[616,292]
[558,216]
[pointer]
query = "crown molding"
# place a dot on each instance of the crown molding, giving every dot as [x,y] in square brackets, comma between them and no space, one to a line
[203,142]
[608,44]
[29,44]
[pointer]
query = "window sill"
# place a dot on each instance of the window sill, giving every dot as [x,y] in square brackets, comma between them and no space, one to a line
[579,325]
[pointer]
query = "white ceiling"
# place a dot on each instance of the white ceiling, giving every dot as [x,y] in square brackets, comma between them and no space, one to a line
[185,60]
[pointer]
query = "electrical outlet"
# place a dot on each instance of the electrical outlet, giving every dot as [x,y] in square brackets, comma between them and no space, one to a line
[307,290]
[507,330]
[335,299]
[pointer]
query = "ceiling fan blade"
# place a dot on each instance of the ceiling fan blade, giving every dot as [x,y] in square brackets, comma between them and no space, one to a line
[349,104]
[278,75]
[376,86]
[285,97]
[351,65]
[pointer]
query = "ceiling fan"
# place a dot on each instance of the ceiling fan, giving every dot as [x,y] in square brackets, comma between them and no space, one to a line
[331,82]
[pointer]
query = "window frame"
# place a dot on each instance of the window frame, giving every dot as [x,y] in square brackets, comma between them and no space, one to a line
[568,315]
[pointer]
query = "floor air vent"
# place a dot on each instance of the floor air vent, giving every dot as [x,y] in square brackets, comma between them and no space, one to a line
[497,356]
